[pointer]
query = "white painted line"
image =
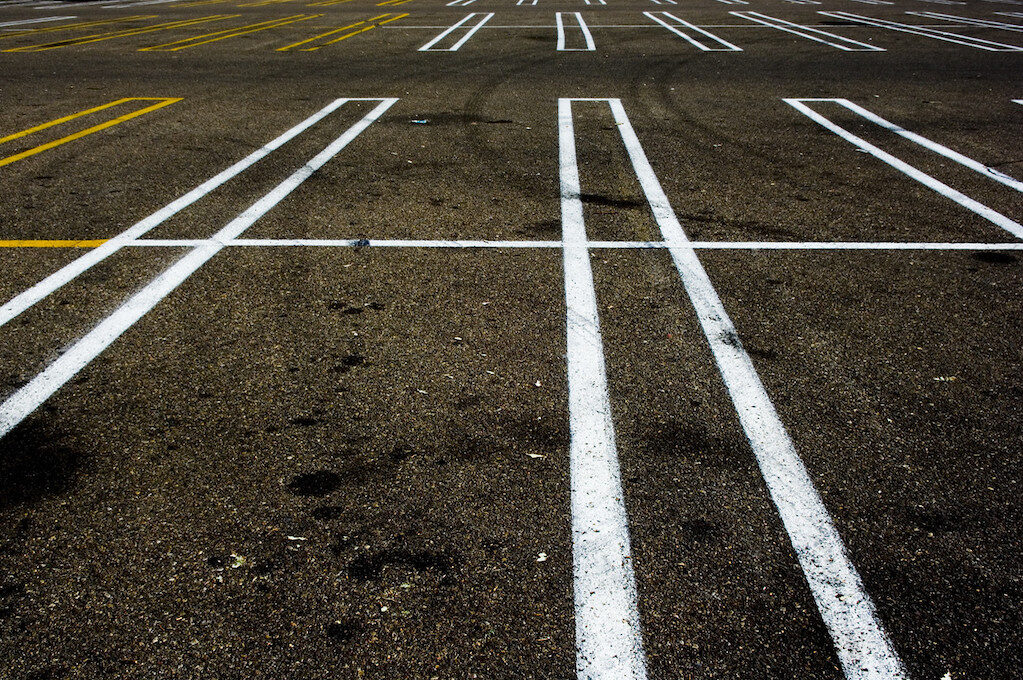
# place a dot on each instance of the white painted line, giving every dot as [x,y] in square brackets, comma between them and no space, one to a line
[609,645]
[845,44]
[804,2]
[526,2]
[460,3]
[976,166]
[861,643]
[428,47]
[875,2]
[615,245]
[734,2]
[976,207]
[138,4]
[27,399]
[33,21]
[807,245]
[390,243]
[944,2]
[1017,101]
[969,20]
[582,26]
[26,299]
[956,38]
[595,2]
[1010,14]
[674,28]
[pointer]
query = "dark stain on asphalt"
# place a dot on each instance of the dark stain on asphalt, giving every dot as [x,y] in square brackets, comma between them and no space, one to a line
[698,529]
[303,421]
[318,483]
[935,521]
[371,567]
[401,453]
[344,630]
[994,257]
[350,362]
[690,442]
[327,512]
[621,203]
[34,464]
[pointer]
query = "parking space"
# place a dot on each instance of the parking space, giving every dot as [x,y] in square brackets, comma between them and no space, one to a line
[488,338]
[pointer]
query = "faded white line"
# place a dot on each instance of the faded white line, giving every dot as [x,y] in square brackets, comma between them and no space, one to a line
[956,38]
[33,21]
[861,643]
[26,299]
[969,20]
[845,44]
[725,45]
[962,199]
[27,399]
[608,641]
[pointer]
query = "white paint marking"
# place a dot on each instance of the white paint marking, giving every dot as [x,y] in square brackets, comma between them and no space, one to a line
[863,647]
[499,244]
[804,2]
[428,47]
[969,20]
[734,2]
[976,166]
[26,299]
[956,38]
[976,207]
[33,21]
[725,45]
[1017,101]
[845,44]
[582,26]
[875,2]
[138,4]
[944,2]
[608,640]
[27,399]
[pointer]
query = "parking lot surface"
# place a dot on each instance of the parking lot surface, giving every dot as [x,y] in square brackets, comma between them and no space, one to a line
[605,339]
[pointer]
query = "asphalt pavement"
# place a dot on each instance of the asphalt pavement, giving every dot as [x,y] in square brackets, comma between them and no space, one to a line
[582,339]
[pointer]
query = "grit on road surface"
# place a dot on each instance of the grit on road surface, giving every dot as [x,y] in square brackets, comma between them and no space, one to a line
[494,339]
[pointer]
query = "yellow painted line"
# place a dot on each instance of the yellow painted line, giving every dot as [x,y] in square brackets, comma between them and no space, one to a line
[391,2]
[161,102]
[52,244]
[264,3]
[121,34]
[328,33]
[230,33]
[65,119]
[81,24]
[328,3]
[353,33]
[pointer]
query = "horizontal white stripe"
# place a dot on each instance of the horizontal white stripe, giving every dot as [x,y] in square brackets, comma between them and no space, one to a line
[618,245]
